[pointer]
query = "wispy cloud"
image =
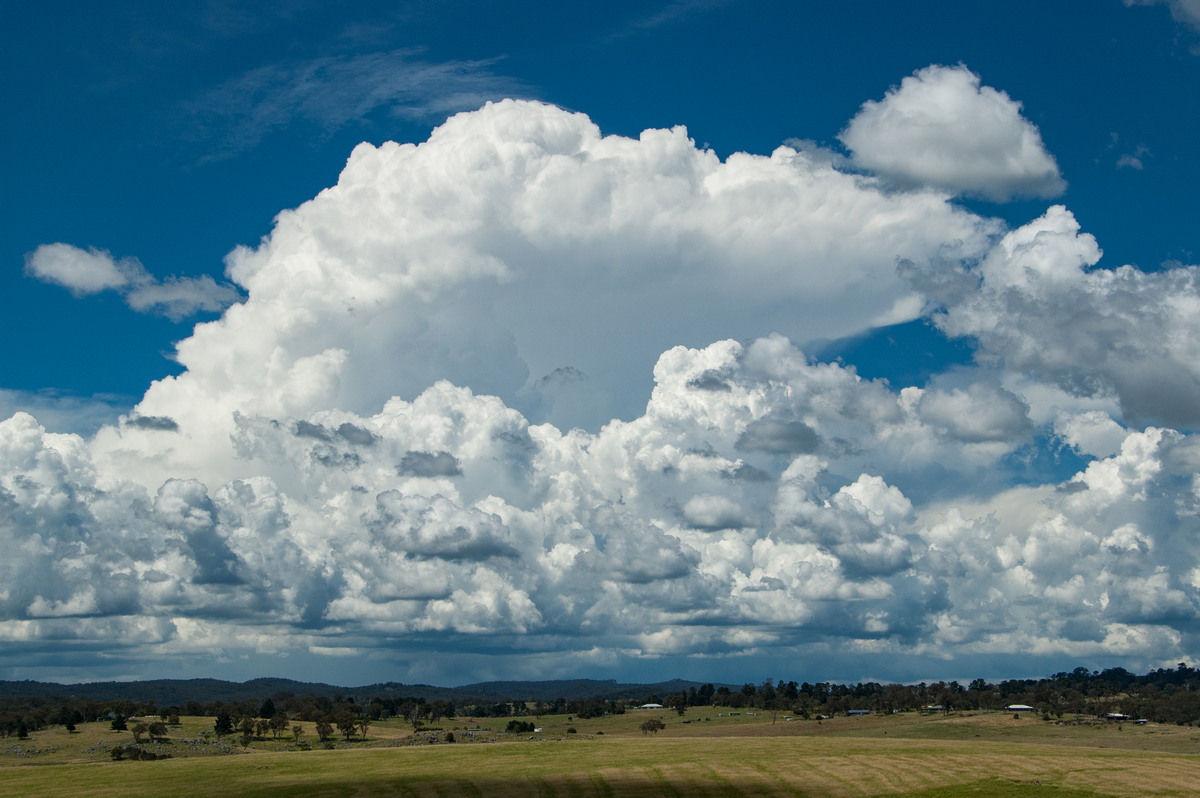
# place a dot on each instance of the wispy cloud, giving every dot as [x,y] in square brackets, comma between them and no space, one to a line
[1185,11]
[669,14]
[331,92]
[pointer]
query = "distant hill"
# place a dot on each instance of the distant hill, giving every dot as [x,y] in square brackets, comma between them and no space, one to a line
[176,692]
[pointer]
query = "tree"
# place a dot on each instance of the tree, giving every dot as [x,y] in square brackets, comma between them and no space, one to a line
[678,702]
[246,726]
[279,723]
[297,732]
[267,710]
[653,726]
[346,723]
[157,730]
[138,730]
[223,724]
[118,723]
[324,729]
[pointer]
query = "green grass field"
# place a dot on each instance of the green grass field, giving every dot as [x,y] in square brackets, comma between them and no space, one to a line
[984,754]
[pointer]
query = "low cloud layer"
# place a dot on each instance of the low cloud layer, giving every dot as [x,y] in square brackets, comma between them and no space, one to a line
[527,400]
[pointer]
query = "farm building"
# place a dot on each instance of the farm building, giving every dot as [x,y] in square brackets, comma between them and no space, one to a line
[651,706]
[1019,708]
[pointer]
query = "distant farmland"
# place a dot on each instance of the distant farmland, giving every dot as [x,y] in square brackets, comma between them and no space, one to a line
[746,754]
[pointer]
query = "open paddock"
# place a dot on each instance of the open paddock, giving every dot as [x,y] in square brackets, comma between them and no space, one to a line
[616,765]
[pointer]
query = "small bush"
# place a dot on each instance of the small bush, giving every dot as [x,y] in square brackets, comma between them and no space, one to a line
[519,727]
[450,737]
[571,730]
[134,753]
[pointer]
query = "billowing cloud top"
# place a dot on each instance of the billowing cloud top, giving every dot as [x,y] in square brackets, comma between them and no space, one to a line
[422,431]
[522,253]
[942,128]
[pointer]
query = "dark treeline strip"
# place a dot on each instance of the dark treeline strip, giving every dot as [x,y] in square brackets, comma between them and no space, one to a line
[173,692]
[1167,695]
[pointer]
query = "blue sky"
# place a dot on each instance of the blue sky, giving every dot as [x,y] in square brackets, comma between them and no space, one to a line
[880,407]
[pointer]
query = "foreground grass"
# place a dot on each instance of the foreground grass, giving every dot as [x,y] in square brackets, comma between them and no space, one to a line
[628,766]
[710,751]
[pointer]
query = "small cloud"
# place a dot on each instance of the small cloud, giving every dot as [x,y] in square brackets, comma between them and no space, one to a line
[942,128]
[1134,160]
[307,429]
[162,423]
[779,437]
[710,380]
[355,435]
[712,513]
[178,298]
[90,271]
[429,464]
[82,272]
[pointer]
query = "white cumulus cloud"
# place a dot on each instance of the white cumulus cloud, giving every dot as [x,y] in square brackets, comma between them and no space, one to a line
[522,253]
[1036,305]
[942,128]
[375,453]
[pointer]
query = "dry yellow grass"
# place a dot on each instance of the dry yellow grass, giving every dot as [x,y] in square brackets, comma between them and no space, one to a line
[785,766]
[728,756]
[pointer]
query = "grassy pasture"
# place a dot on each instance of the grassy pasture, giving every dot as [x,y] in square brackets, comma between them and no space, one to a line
[984,754]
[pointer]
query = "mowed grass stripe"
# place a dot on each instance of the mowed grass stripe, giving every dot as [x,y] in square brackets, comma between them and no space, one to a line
[929,772]
[1151,776]
[899,774]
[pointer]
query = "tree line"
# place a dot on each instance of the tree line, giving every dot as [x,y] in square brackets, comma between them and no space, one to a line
[1165,695]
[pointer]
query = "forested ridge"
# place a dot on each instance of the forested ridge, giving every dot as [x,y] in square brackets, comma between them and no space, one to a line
[1165,695]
